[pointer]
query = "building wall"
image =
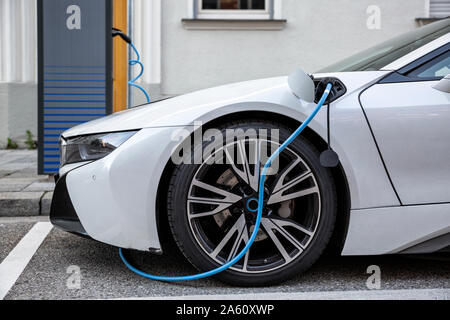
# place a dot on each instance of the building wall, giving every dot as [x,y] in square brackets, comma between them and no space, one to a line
[18,111]
[317,33]
[18,69]
[18,23]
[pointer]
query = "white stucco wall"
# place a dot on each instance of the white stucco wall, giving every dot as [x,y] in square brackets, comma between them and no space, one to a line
[18,111]
[318,32]
[18,69]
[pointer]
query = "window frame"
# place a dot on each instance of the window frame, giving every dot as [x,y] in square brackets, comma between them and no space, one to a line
[403,75]
[413,74]
[239,14]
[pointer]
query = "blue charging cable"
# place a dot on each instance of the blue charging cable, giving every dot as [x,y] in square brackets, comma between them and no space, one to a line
[262,180]
[132,62]
[138,62]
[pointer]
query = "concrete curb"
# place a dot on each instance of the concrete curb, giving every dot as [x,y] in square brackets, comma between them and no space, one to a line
[25,204]
[23,193]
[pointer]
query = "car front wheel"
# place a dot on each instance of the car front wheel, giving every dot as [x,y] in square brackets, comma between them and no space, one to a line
[212,206]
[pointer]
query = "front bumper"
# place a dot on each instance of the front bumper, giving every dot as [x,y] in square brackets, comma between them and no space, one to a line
[62,212]
[114,200]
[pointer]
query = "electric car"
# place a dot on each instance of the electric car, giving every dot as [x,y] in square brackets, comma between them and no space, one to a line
[126,176]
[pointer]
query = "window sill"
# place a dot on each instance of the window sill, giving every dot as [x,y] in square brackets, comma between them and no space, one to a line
[233,24]
[423,21]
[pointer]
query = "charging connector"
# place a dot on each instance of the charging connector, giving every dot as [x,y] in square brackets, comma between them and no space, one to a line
[338,90]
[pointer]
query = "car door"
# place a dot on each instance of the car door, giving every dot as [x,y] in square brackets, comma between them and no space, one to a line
[410,121]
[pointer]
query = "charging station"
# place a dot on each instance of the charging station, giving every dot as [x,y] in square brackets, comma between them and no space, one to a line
[75,63]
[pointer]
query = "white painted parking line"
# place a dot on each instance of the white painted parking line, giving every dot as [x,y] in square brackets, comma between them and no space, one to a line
[414,294]
[12,267]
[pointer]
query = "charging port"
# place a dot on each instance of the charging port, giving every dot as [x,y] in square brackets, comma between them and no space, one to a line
[337,91]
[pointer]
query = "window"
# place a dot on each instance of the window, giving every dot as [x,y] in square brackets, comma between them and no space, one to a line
[437,68]
[234,15]
[439,8]
[234,9]
[233,5]
[385,53]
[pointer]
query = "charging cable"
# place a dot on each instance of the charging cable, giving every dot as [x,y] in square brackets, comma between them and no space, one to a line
[262,180]
[138,62]
[133,62]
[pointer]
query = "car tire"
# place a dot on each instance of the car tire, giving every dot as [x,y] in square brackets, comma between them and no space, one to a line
[196,237]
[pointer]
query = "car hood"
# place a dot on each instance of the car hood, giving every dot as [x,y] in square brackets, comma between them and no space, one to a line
[184,110]
[174,111]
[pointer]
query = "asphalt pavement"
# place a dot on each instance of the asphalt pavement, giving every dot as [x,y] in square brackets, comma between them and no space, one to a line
[65,266]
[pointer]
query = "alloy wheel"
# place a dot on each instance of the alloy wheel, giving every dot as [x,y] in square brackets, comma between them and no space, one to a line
[222,206]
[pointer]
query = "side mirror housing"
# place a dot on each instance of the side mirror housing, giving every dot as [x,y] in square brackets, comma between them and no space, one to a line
[302,85]
[443,85]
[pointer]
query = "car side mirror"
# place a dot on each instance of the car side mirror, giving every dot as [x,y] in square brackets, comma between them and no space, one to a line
[443,85]
[302,85]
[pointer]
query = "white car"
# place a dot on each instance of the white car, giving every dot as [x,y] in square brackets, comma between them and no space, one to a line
[120,182]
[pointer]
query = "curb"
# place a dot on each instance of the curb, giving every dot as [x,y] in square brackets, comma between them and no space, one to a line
[25,204]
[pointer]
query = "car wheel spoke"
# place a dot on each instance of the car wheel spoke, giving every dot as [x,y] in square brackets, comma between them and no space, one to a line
[269,227]
[283,196]
[242,238]
[240,227]
[283,223]
[282,187]
[227,199]
[244,159]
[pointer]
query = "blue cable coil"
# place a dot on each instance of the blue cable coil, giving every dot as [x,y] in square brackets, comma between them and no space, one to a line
[138,62]
[262,180]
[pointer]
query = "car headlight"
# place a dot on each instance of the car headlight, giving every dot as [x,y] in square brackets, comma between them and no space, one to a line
[93,147]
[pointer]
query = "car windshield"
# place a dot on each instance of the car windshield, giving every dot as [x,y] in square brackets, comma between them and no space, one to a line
[387,52]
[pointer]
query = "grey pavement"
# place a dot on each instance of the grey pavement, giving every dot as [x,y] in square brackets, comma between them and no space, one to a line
[11,235]
[103,276]
[22,191]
